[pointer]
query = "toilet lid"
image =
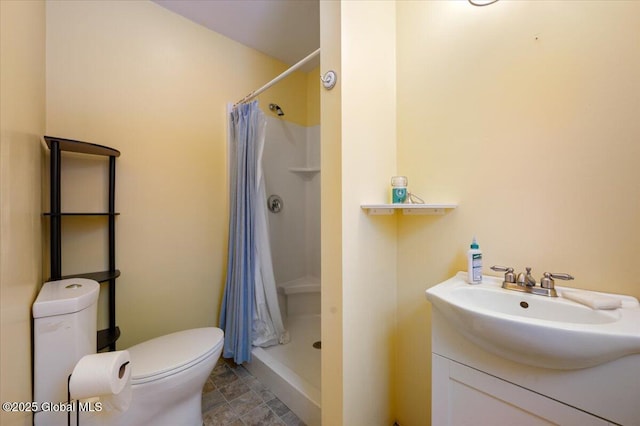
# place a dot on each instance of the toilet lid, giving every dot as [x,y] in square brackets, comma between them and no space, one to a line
[166,355]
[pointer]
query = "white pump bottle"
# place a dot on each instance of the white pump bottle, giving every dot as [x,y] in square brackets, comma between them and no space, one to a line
[474,263]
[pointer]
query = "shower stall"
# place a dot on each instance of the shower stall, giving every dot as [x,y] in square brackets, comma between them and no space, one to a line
[291,164]
[291,171]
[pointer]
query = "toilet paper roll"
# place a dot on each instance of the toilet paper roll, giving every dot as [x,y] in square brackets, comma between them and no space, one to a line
[106,375]
[118,402]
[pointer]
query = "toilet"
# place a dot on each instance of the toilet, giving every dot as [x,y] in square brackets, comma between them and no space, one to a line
[167,373]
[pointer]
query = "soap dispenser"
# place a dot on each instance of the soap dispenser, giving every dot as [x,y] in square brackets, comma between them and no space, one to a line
[474,263]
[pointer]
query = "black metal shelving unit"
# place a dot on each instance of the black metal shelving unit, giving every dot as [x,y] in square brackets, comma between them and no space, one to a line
[106,338]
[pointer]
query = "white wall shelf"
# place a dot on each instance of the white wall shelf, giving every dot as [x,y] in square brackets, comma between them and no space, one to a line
[305,172]
[407,209]
[304,169]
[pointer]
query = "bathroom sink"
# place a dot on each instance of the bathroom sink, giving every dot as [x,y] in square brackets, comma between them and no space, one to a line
[548,332]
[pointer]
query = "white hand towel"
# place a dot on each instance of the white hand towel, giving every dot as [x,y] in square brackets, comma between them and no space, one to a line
[593,300]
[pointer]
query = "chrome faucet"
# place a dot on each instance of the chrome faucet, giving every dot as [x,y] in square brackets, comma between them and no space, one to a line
[525,282]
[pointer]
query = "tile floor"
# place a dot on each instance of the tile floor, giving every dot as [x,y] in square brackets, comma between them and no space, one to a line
[233,397]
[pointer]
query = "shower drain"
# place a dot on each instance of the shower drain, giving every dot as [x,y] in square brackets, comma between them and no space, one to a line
[317,345]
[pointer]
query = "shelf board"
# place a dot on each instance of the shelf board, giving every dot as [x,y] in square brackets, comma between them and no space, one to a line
[82,147]
[304,169]
[305,172]
[407,209]
[101,277]
[107,337]
[81,214]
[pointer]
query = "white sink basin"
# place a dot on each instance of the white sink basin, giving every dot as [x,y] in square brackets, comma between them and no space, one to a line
[548,332]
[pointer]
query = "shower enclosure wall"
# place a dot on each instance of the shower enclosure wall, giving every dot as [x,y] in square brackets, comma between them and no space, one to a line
[291,162]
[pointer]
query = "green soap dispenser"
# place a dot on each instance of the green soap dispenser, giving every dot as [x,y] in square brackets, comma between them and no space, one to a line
[474,263]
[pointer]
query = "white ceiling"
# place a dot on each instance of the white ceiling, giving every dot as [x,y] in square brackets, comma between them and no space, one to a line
[287,30]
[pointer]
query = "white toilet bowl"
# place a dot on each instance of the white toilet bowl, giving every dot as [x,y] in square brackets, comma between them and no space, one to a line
[167,377]
[167,373]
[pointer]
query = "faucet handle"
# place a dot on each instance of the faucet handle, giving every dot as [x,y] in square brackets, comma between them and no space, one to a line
[547,279]
[557,276]
[509,276]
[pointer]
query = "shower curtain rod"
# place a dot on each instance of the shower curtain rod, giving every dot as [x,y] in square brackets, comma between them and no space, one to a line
[294,67]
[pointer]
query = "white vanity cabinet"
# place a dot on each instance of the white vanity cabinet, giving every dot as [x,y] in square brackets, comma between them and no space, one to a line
[472,387]
[466,396]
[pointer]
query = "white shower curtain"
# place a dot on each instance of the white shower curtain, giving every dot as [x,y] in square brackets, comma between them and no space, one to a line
[250,314]
[268,329]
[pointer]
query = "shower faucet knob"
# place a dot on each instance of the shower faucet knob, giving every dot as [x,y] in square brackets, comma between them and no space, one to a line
[275,204]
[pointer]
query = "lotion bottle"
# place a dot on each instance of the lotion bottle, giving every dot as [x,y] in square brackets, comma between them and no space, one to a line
[474,263]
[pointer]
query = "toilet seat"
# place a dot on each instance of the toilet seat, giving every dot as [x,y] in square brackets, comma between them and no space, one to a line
[170,354]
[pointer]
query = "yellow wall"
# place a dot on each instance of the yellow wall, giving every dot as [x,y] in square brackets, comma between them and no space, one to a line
[526,114]
[137,77]
[366,160]
[331,220]
[22,118]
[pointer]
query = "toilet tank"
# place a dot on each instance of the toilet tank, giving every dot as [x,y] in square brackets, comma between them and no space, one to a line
[64,330]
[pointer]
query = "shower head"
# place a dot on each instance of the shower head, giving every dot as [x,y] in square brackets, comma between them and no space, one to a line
[277,109]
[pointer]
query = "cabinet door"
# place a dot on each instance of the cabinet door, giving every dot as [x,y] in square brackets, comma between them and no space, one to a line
[465,396]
